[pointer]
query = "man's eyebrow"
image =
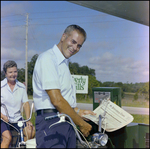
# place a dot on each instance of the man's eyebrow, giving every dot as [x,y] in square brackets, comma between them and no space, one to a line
[76,42]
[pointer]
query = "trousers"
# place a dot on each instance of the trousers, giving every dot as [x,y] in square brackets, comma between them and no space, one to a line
[5,126]
[61,135]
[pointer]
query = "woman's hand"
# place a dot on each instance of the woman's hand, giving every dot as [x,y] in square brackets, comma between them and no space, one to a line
[29,125]
[5,118]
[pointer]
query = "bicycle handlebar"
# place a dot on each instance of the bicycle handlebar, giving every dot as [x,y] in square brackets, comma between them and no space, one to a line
[98,139]
[62,120]
[21,144]
[5,108]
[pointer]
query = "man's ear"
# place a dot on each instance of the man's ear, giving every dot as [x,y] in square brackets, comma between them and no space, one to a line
[63,37]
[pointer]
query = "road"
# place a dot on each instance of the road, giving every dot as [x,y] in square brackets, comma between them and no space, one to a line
[131,110]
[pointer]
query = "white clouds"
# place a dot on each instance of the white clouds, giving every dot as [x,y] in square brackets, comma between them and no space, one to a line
[14,8]
[119,69]
[31,53]
[17,55]
[11,53]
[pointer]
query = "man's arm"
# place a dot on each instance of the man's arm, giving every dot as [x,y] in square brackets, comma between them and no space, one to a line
[63,107]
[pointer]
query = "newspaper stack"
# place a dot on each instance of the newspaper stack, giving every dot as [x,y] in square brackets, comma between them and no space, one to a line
[113,116]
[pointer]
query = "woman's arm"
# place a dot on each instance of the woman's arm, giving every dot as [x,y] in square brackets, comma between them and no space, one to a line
[26,107]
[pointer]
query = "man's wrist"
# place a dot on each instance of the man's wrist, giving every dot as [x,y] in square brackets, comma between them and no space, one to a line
[78,111]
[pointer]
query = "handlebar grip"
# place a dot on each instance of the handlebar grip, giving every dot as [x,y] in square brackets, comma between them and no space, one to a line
[51,117]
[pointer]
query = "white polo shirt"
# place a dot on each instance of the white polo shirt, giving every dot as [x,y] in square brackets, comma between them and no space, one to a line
[51,71]
[13,100]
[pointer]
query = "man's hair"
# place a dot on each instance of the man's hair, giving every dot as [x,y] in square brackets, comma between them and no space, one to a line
[73,27]
[9,64]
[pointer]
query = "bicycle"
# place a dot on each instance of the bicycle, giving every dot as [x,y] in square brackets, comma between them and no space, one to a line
[99,139]
[22,143]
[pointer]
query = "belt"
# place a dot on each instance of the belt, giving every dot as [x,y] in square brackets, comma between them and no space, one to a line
[39,112]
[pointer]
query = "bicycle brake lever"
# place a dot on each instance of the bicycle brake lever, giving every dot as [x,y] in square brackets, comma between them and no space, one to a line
[62,119]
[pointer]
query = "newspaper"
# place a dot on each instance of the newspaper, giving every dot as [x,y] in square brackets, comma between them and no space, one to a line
[113,116]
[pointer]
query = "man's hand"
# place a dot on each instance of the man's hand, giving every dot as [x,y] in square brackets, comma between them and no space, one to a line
[85,112]
[85,129]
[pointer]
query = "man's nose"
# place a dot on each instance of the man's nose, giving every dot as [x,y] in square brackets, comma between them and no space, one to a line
[75,47]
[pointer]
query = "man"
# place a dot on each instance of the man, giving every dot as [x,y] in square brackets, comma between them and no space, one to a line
[54,91]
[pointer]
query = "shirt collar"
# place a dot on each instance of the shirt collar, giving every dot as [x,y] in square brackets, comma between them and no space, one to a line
[4,82]
[59,55]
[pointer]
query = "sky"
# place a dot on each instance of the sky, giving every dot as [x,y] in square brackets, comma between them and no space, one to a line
[116,48]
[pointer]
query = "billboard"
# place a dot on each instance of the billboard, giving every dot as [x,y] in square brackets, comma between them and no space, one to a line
[81,83]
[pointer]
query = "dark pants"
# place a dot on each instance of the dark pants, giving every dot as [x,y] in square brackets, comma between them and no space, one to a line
[5,126]
[14,131]
[61,135]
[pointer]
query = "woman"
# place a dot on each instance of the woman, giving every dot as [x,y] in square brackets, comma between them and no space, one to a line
[13,94]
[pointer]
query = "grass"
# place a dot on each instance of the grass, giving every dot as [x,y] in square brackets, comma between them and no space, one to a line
[140,102]
[128,100]
[141,118]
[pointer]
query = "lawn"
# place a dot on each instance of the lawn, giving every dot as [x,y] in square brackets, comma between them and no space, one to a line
[141,118]
[129,101]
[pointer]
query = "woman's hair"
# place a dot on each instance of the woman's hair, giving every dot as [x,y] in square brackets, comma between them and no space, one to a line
[73,27]
[9,64]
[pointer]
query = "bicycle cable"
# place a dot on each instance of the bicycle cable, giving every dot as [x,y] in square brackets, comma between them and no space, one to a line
[80,133]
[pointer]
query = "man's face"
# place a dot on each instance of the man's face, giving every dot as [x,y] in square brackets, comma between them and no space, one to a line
[71,43]
[11,74]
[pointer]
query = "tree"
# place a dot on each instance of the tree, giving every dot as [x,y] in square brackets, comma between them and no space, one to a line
[119,84]
[74,68]
[2,75]
[145,90]
[136,96]
[31,65]
[21,75]
[108,84]
[77,70]
[92,83]
[85,70]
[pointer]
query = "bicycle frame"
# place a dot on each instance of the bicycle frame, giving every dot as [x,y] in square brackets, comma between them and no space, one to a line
[20,124]
[98,139]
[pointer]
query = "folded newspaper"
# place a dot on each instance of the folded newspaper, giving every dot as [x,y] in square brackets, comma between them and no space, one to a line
[113,116]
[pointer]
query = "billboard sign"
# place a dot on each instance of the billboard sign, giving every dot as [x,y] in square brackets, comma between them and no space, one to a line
[81,83]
